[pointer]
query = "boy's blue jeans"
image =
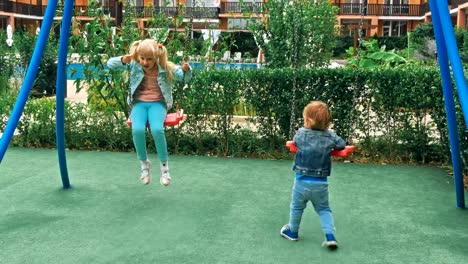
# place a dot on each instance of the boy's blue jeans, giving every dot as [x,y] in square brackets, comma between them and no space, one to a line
[317,193]
[155,113]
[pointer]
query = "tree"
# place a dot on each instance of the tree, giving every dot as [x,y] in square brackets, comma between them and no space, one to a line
[422,42]
[297,33]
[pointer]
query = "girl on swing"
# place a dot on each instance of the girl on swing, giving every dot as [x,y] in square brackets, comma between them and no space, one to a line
[150,97]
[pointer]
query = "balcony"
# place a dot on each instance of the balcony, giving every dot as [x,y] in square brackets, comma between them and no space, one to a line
[379,9]
[201,12]
[83,11]
[344,9]
[139,11]
[425,9]
[23,9]
[195,12]
[456,3]
[230,7]
[151,11]
[237,7]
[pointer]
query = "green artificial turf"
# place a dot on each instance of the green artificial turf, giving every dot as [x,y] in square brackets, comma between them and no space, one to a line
[219,210]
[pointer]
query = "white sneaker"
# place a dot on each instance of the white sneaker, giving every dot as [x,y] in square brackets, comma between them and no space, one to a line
[165,178]
[145,172]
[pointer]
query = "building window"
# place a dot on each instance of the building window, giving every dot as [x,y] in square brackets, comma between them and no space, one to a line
[395,28]
[136,2]
[235,23]
[353,7]
[349,26]
[167,3]
[396,7]
[466,21]
[239,23]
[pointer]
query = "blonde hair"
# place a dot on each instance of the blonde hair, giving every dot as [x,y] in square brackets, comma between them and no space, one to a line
[317,115]
[151,48]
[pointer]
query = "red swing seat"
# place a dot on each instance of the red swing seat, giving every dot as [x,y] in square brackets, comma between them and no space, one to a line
[337,153]
[172,119]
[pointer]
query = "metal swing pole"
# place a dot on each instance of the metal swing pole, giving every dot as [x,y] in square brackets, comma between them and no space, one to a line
[60,91]
[441,8]
[442,45]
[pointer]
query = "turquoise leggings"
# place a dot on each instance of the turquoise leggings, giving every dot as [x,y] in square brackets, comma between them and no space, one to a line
[155,113]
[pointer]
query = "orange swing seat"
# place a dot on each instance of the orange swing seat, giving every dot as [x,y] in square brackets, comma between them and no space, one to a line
[172,119]
[337,153]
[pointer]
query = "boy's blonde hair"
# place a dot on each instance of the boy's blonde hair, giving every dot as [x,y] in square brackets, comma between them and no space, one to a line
[317,115]
[150,48]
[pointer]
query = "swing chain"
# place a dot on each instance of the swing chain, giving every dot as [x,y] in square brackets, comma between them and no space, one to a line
[190,28]
[355,86]
[188,34]
[294,61]
[362,9]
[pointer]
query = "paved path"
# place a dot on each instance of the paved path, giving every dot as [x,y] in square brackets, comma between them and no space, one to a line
[73,96]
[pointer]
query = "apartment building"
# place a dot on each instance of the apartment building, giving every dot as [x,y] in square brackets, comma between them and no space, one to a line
[381,17]
[390,17]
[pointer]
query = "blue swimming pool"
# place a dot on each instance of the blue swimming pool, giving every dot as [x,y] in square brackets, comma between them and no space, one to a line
[78,67]
[227,66]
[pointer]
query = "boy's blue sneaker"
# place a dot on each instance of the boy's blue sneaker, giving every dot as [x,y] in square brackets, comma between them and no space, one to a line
[288,234]
[330,242]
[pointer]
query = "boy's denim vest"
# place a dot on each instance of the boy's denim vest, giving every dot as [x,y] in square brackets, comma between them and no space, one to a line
[137,74]
[313,157]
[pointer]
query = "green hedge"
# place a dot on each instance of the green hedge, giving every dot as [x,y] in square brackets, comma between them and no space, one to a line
[393,115]
[373,106]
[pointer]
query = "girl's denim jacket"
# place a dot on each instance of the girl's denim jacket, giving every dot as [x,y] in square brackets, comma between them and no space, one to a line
[137,74]
[313,156]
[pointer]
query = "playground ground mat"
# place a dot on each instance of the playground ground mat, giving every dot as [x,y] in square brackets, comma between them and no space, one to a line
[219,210]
